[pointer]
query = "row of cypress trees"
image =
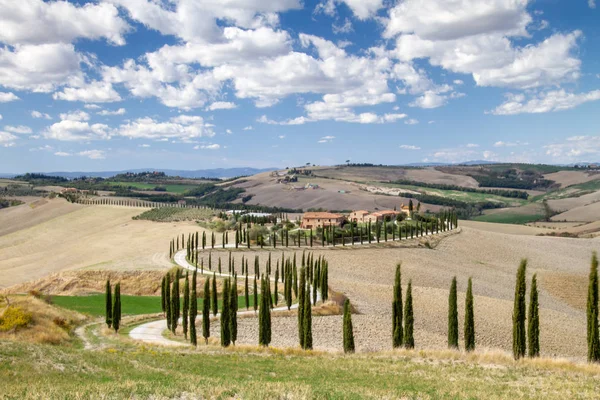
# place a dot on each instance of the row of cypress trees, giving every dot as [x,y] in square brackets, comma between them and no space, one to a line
[402,335]
[113,306]
[525,341]
[469,327]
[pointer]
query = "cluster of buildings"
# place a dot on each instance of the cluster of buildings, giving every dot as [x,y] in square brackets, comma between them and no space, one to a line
[313,220]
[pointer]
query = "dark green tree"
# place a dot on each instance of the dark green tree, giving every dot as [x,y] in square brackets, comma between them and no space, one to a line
[214,302]
[301,296]
[255,295]
[397,329]
[175,303]
[116,314]
[469,319]
[264,315]
[108,304]
[593,338]
[533,328]
[348,331]
[225,318]
[168,299]
[409,320]
[194,307]
[246,293]
[453,316]
[519,333]
[162,294]
[206,311]
[233,308]
[186,304]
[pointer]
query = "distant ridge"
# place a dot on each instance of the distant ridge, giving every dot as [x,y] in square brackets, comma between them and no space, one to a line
[200,173]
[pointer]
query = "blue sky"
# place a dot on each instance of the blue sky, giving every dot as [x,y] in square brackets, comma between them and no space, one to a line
[192,84]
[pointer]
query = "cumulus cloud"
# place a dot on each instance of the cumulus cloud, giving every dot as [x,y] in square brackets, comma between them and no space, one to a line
[213,146]
[120,111]
[411,121]
[346,27]
[574,148]
[6,97]
[183,127]
[37,114]
[510,144]
[74,127]
[7,139]
[62,154]
[93,154]
[550,101]
[21,129]
[362,9]
[40,68]
[248,128]
[221,105]
[39,22]
[76,115]
[94,92]
[409,147]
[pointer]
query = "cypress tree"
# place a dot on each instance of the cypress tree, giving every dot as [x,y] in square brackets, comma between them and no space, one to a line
[295,276]
[264,316]
[255,295]
[186,304]
[348,331]
[276,281]
[533,331]
[206,311]
[168,299]
[453,317]
[301,295]
[246,294]
[162,294]
[116,314]
[219,265]
[307,323]
[519,334]
[108,301]
[194,307]
[288,292]
[175,303]
[397,329]
[469,319]
[409,321]
[225,318]
[214,301]
[233,307]
[593,338]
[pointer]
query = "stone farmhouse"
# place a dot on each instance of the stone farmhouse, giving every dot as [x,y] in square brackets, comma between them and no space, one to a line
[312,220]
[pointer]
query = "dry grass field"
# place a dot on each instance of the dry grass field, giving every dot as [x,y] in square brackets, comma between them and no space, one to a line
[568,178]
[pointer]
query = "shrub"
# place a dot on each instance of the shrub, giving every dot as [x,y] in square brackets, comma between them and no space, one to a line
[14,318]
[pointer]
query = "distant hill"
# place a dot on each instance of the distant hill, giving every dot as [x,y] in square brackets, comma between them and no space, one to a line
[201,173]
[435,164]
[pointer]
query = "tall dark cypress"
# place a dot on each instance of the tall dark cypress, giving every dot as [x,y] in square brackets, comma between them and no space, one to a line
[519,333]
[301,295]
[469,319]
[246,293]
[108,301]
[214,301]
[193,307]
[186,304]
[168,299]
[453,316]
[206,311]
[225,319]
[397,329]
[307,323]
[233,308]
[276,296]
[533,328]
[409,320]
[175,303]
[348,330]
[116,314]
[162,295]
[593,338]
[255,295]
[264,315]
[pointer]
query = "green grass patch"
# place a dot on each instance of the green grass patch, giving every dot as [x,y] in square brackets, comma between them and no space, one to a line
[94,304]
[508,218]
[170,188]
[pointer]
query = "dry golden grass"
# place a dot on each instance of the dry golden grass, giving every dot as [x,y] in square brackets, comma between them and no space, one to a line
[49,324]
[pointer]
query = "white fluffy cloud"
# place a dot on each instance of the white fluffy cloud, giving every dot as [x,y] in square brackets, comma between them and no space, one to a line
[40,68]
[221,105]
[7,139]
[551,101]
[93,154]
[40,22]
[409,147]
[212,146]
[120,111]
[37,114]
[510,144]
[74,127]
[21,129]
[6,97]
[574,148]
[77,115]
[94,92]
[183,127]
[411,121]
[362,9]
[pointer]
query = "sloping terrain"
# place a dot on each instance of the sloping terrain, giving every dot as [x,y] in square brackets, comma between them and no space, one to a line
[568,178]
[35,211]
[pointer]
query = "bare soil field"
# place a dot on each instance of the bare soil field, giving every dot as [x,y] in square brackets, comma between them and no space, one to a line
[511,229]
[568,178]
[426,175]
[89,237]
[585,213]
[35,211]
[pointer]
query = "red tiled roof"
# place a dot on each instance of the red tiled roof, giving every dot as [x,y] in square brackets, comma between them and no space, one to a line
[322,215]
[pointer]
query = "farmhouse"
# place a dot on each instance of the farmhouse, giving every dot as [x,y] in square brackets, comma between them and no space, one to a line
[311,220]
[380,216]
[358,216]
